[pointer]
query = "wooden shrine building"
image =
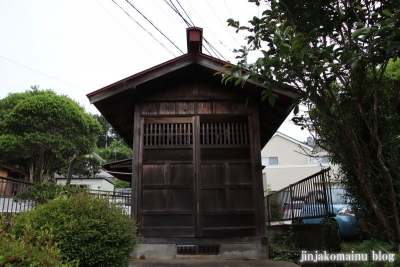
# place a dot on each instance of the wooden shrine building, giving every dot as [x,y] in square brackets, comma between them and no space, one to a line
[196,166]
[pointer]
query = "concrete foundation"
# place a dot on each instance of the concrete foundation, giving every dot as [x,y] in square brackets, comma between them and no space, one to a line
[155,251]
[227,252]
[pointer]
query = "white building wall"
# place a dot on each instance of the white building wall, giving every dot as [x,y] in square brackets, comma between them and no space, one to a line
[293,162]
[93,184]
[285,149]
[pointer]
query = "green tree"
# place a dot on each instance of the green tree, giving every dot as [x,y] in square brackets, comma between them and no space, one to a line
[121,184]
[9,102]
[108,134]
[42,131]
[336,54]
[116,151]
[85,166]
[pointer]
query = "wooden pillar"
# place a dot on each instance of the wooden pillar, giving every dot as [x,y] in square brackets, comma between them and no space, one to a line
[135,161]
[256,163]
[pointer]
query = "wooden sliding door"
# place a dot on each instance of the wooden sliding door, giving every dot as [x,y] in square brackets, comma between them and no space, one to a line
[168,204]
[196,177]
[225,184]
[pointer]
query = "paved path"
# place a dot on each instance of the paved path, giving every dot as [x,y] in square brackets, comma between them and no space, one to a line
[210,263]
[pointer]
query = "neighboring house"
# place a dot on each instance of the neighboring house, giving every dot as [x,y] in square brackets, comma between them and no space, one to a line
[11,172]
[288,160]
[101,181]
[9,187]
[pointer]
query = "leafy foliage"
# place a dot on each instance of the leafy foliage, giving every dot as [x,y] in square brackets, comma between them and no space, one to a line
[108,134]
[367,246]
[330,234]
[87,228]
[283,249]
[338,60]
[275,208]
[35,247]
[42,131]
[8,103]
[85,166]
[116,151]
[121,184]
[42,192]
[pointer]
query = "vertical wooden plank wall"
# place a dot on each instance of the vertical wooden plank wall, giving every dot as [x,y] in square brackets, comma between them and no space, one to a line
[208,187]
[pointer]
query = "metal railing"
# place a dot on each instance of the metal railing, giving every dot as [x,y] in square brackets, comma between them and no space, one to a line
[8,189]
[9,205]
[308,198]
[121,199]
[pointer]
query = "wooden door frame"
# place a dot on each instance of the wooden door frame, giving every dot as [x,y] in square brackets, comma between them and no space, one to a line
[137,166]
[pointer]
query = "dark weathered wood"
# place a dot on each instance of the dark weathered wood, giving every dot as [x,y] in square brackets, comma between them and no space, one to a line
[204,107]
[220,153]
[197,172]
[168,119]
[197,176]
[185,107]
[196,167]
[228,232]
[200,241]
[170,155]
[136,163]
[168,232]
[168,184]
[168,220]
[116,102]
[193,97]
[228,221]
[257,172]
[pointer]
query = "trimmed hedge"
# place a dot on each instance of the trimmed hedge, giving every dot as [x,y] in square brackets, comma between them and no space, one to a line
[33,248]
[88,228]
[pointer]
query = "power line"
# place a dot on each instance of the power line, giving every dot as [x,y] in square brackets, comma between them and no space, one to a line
[44,74]
[153,25]
[174,8]
[228,9]
[143,28]
[185,12]
[126,30]
[209,30]
[221,22]
[214,49]
[177,12]
[163,10]
[211,47]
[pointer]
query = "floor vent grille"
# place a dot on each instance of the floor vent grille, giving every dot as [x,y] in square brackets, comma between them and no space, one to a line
[198,249]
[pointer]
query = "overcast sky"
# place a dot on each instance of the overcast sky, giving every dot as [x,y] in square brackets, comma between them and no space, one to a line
[75,47]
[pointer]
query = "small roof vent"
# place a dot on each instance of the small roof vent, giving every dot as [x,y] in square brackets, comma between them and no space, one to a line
[194,37]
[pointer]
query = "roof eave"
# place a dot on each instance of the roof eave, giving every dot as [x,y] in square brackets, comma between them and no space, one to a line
[170,66]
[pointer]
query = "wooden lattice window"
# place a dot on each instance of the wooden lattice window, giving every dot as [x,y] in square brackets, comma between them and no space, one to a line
[168,134]
[229,133]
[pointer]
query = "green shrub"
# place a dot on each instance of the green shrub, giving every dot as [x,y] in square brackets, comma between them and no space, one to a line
[367,246]
[42,192]
[275,208]
[330,234]
[283,249]
[32,248]
[88,228]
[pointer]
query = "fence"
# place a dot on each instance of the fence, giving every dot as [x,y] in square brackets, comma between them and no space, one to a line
[9,188]
[124,200]
[308,198]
